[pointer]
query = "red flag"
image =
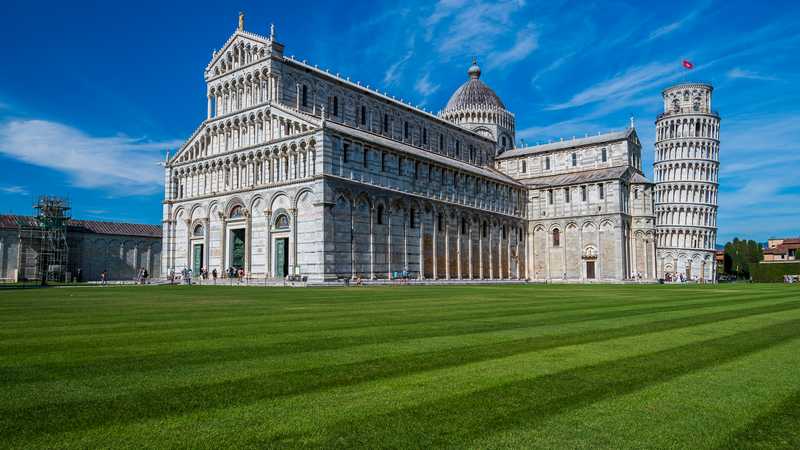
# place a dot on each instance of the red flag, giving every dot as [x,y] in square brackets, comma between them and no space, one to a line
[688,64]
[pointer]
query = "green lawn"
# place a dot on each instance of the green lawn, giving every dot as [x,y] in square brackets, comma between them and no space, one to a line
[416,367]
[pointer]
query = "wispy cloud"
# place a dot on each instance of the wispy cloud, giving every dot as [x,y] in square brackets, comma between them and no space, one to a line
[393,72]
[557,63]
[527,40]
[737,73]
[424,86]
[120,164]
[677,25]
[16,190]
[625,84]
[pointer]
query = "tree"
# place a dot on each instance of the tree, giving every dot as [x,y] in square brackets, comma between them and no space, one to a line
[740,255]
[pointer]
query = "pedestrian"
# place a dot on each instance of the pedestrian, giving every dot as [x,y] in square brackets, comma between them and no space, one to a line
[214,275]
[103,278]
[145,274]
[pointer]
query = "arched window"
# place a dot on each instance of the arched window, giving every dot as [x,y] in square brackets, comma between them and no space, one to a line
[237,212]
[556,238]
[676,105]
[412,219]
[379,214]
[604,155]
[282,222]
[198,231]
[304,95]
[574,159]
[363,115]
[503,145]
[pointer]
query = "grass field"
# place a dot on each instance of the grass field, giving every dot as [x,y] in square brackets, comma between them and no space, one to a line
[416,367]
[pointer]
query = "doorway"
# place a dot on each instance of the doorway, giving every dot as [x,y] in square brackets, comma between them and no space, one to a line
[590,270]
[281,257]
[238,248]
[197,258]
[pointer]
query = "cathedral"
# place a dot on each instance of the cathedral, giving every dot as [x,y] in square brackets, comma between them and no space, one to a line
[300,172]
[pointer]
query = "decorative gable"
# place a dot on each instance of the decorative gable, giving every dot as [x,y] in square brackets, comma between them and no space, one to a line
[241,49]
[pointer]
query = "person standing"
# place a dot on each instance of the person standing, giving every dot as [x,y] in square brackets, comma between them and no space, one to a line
[214,275]
[103,278]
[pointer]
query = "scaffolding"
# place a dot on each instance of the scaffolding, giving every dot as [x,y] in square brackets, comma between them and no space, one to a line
[43,242]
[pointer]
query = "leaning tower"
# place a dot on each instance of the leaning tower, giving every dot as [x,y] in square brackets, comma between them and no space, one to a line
[686,170]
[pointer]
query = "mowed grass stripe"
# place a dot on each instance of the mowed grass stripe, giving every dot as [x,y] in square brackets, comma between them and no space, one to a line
[361,302]
[238,350]
[777,429]
[528,403]
[266,327]
[122,409]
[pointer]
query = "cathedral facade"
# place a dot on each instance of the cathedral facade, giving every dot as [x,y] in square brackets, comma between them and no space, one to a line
[300,172]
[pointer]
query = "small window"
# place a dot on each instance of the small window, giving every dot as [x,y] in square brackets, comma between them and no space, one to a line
[385,123]
[503,143]
[547,163]
[412,218]
[574,159]
[601,191]
[282,222]
[583,193]
[416,170]
[198,231]
[636,194]
[383,162]
[458,148]
[236,212]
[425,136]
[304,95]
[556,238]
[566,195]
[345,151]
[379,215]
[439,222]
[604,155]
[463,226]
[400,166]
[485,230]
[405,129]
[524,167]
[550,197]
[503,230]
[336,106]
[441,142]
[365,159]
[363,115]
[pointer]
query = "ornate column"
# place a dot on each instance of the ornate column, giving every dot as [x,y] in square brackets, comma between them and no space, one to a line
[206,242]
[372,242]
[295,266]
[480,249]
[491,258]
[223,242]
[389,242]
[446,247]
[248,223]
[436,222]
[458,249]
[268,245]
[352,244]
[188,223]
[469,250]
[421,275]
[208,116]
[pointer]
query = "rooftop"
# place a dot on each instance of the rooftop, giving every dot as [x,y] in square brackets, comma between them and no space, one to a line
[570,143]
[87,226]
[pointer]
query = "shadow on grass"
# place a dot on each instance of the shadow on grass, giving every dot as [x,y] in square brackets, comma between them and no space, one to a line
[144,363]
[121,409]
[777,429]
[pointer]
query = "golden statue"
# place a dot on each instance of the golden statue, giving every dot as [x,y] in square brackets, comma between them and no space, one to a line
[241,21]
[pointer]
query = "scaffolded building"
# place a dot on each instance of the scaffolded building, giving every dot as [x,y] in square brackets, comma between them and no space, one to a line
[43,242]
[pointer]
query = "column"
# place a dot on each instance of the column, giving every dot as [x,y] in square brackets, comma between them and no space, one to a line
[224,243]
[372,242]
[248,263]
[480,249]
[206,243]
[469,251]
[295,266]
[491,266]
[458,250]
[208,116]
[435,218]
[268,244]
[421,246]
[446,247]
[389,243]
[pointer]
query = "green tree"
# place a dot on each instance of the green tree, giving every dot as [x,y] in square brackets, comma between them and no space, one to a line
[740,255]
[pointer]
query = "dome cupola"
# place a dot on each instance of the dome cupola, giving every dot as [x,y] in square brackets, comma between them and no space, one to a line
[476,107]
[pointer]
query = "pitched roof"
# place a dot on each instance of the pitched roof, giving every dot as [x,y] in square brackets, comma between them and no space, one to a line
[88,226]
[571,143]
[585,176]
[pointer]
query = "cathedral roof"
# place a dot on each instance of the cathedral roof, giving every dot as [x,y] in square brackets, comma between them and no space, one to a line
[570,143]
[474,93]
[585,176]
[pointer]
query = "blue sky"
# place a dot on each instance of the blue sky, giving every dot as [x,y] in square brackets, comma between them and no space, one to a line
[92,94]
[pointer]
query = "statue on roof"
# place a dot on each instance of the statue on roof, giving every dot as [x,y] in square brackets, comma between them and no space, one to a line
[241,21]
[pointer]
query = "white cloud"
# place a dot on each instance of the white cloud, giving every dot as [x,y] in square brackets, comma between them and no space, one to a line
[677,25]
[737,73]
[17,190]
[624,85]
[393,72]
[424,86]
[551,67]
[121,164]
[527,40]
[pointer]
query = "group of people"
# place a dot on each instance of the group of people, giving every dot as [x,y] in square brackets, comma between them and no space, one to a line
[141,276]
[186,275]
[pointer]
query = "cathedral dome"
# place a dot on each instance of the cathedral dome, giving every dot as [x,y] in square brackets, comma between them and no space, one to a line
[474,94]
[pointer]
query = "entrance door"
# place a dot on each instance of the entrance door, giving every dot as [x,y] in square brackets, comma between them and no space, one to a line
[590,270]
[237,248]
[281,257]
[197,257]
